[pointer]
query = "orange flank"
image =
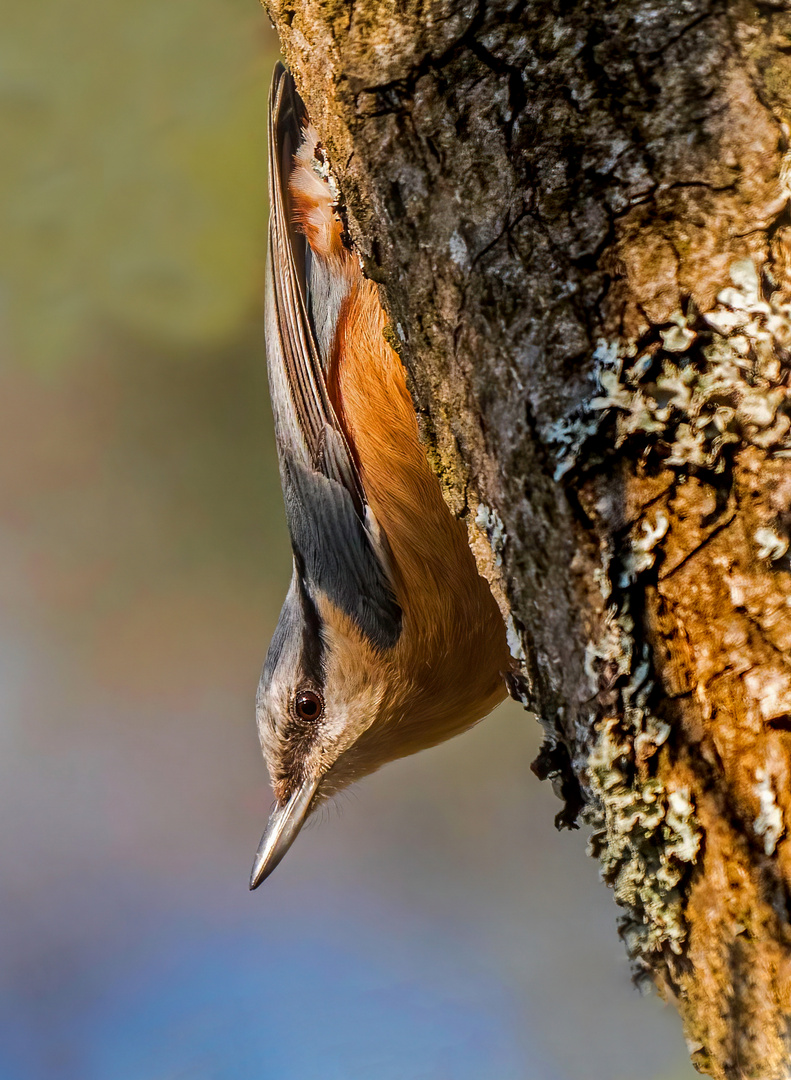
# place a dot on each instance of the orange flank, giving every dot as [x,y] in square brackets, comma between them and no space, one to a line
[452,653]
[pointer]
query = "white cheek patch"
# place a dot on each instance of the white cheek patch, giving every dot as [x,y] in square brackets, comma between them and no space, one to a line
[345,719]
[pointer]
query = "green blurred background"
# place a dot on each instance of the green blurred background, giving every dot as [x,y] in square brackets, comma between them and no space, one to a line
[438,928]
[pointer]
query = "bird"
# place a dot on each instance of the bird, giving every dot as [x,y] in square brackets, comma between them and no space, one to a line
[389,640]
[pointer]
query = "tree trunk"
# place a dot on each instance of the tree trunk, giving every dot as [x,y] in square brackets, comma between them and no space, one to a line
[577,213]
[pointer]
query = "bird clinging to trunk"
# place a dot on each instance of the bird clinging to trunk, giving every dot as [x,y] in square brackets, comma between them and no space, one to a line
[389,640]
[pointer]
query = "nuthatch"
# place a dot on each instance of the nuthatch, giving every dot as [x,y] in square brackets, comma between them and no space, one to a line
[389,641]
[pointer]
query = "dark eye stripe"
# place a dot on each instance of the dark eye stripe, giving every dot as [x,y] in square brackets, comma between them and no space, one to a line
[312,658]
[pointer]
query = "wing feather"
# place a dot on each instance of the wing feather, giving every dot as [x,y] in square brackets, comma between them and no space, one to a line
[324,495]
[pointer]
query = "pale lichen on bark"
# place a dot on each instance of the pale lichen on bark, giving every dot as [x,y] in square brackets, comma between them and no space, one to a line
[705,385]
[578,217]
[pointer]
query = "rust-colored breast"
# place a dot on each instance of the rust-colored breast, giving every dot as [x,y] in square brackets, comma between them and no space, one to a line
[446,671]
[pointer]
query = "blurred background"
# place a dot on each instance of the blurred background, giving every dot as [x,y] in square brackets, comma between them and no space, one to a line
[434,926]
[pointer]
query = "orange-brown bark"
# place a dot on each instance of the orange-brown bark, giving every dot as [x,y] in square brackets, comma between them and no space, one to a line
[578,214]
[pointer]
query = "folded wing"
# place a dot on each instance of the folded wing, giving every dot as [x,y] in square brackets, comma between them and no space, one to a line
[332,529]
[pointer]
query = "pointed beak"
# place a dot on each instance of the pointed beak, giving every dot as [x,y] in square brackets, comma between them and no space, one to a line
[281,832]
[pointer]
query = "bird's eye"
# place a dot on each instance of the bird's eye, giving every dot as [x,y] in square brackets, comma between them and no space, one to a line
[308,705]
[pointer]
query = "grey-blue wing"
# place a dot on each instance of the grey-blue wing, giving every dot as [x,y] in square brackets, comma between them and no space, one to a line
[327,512]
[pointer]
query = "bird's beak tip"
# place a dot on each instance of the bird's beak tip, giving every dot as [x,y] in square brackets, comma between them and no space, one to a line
[258,875]
[255,881]
[281,831]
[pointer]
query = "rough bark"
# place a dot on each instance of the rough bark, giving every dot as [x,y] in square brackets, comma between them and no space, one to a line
[578,216]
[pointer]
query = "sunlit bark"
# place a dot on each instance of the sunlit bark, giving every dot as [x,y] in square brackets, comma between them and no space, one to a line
[578,216]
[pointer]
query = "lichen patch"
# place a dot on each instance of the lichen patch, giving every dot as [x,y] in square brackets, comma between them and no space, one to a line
[702,404]
[686,405]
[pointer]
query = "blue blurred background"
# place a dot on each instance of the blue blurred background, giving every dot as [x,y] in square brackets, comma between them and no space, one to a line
[434,926]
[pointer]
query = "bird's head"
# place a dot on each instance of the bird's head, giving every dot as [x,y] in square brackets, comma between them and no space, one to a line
[321,692]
